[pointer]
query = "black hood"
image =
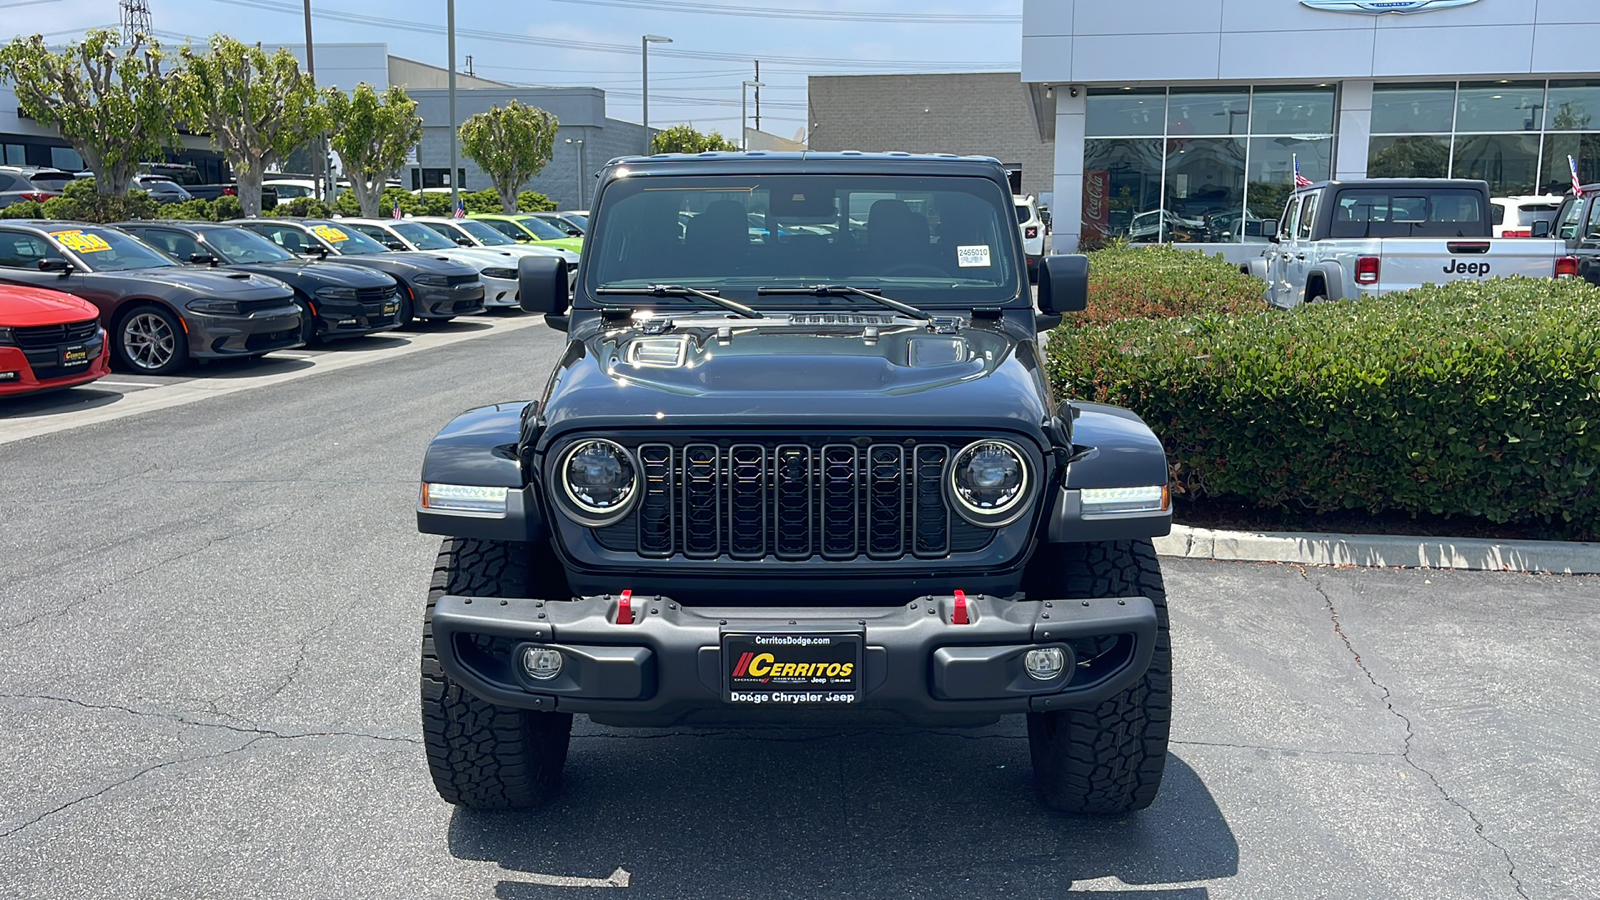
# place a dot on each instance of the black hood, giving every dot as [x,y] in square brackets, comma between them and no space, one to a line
[788,371]
[408,265]
[221,283]
[316,274]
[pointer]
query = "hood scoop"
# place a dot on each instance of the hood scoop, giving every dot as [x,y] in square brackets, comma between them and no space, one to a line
[658,353]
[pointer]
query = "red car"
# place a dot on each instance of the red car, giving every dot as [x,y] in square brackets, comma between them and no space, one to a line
[48,340]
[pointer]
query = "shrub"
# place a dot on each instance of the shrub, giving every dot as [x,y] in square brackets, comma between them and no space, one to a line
[79,203]
[1471,399]
[302,208]
[533,201]
[1160,282]
[23,209]
[189,210]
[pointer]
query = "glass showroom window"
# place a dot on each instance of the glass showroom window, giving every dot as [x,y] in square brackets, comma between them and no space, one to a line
[1202,165]
[1514,135]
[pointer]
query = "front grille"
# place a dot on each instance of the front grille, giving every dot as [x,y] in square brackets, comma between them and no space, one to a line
[269,340]
[50,336]
[373,298]
[461,279]
[793,500]
[246,307]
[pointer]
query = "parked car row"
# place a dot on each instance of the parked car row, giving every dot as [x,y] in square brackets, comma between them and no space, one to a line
[151,296]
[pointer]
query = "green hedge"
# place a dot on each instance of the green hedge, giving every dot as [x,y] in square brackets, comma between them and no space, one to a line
[1160,282]
[1470,399]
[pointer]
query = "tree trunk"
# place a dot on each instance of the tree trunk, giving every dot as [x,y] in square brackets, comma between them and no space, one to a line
[508,200]
[249,187]
[369,192]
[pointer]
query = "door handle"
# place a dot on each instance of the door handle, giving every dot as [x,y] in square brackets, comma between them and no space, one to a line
[1300,256]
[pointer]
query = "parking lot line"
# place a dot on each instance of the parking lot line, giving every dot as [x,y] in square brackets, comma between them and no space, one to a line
[166,396]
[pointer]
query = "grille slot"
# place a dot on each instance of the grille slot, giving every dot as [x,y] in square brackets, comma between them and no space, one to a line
[793,501]
[49,336]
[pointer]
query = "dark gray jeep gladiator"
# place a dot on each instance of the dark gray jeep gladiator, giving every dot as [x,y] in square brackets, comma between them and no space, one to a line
[810,472]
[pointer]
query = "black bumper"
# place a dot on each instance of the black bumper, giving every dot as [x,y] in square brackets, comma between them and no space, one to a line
[667,666]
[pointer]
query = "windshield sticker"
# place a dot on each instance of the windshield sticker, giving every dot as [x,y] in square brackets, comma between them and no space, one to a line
[971,256]
[329,233]
[80,242]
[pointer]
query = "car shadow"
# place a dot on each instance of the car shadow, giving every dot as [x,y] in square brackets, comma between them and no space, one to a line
[56,402]
[249,367]
[894,812]
[453,326]
[385,340]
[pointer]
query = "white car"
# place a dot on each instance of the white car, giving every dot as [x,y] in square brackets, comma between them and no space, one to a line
[497,270]
[476,234]
[292,188]
[1515,216]
[1032,227]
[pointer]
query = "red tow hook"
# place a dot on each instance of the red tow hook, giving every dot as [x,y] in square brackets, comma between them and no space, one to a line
[958,613]
[625,608]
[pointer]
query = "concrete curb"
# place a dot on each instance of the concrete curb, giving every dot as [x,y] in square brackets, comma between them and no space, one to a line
[1381,550]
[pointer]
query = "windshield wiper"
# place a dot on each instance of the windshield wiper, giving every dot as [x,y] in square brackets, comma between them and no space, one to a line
[678,290]
[845,290]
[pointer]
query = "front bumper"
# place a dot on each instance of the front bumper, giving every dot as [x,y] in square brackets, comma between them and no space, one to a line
[18,374]
[217,337]
[499,292]
[353,318]
[668,667]
[433,302]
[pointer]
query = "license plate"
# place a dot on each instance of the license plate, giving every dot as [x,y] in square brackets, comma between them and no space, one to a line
[792,669]
[76,355]
[390,309]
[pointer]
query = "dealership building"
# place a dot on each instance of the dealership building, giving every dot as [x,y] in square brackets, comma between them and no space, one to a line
[1182,120]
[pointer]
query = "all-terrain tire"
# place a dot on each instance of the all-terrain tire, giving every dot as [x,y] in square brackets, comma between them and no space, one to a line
[481,754]
[1106,759]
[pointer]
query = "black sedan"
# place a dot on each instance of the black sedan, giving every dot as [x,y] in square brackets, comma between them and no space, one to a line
[434,287]
[158,314]
[337,300]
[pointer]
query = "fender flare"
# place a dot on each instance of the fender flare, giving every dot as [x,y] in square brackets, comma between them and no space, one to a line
[479,448]
[1332,276]
[1111,447]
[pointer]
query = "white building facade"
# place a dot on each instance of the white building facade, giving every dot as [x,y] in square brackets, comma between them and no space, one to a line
[1182,120]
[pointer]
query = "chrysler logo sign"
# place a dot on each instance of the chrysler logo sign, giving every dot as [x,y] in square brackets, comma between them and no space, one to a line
[1379,7]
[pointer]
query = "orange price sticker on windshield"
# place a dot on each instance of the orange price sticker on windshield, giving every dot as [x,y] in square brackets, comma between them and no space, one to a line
[329,233]
[80,242]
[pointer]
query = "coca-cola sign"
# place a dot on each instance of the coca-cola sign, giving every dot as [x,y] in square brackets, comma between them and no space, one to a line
[1096,202]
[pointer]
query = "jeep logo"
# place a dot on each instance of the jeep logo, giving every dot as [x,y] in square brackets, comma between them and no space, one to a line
[1457,267]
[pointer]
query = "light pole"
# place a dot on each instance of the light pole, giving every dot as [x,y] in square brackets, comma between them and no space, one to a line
[455,189]
[644,56]
[581,167]
[744,128]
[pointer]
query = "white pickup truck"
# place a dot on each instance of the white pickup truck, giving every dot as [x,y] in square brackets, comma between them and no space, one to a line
[1340,240]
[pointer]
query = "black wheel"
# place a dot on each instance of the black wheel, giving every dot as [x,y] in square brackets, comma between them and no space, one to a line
[1108,759]
[151,341]
[481,754]
[406,312]
[308,322]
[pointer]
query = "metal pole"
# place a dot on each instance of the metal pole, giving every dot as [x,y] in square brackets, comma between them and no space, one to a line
[583,171]
[644,88]
[758,95]
[455,186]
[744,123]
[319,159]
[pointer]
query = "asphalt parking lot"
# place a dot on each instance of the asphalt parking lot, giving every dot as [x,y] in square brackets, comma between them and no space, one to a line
[212,607]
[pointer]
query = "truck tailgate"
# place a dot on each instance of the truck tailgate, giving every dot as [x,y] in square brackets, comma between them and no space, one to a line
[1410,262]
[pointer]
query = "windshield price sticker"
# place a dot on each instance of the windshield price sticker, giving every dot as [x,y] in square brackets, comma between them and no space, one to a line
[792,669]
[972,256]
[329,233]
[80,242]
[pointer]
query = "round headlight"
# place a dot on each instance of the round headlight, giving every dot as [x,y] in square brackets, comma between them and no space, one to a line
[599,478]
[989,481]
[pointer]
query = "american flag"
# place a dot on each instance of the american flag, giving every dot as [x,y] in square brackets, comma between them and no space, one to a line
[461,211]
[1577,186]
[396,212]
[1300,181]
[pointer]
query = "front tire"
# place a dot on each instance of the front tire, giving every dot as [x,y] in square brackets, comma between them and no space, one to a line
[1107,759]
[151,341]
[481,754]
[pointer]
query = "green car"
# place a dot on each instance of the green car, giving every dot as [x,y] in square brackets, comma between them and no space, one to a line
[530,230]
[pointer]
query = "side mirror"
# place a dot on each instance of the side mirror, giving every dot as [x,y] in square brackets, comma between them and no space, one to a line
[55,265]
[202,258]
[394,245]
[1063,283]
[573,232]
[1269,229]
[542,284]
[1541,229]
[463,242]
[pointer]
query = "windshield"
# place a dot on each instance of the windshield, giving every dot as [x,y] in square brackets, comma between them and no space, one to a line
[235,245]
[541,229]
[482,233]
[925,240]
[346,241]
[106,250]
[422,237]
[580,221]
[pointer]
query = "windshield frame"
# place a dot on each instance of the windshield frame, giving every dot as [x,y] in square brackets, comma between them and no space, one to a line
[1009,288]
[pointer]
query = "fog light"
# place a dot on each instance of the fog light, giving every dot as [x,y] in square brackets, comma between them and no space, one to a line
[543,663]
[1045,664]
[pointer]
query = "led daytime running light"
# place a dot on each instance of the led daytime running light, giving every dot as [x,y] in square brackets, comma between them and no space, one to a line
[464,498]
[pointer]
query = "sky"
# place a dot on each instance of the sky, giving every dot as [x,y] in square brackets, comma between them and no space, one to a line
[695,79]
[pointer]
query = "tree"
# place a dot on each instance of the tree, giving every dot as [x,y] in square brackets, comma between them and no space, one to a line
[510,144]
[372,136]
[112,107]
[684,139]
[257,107]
